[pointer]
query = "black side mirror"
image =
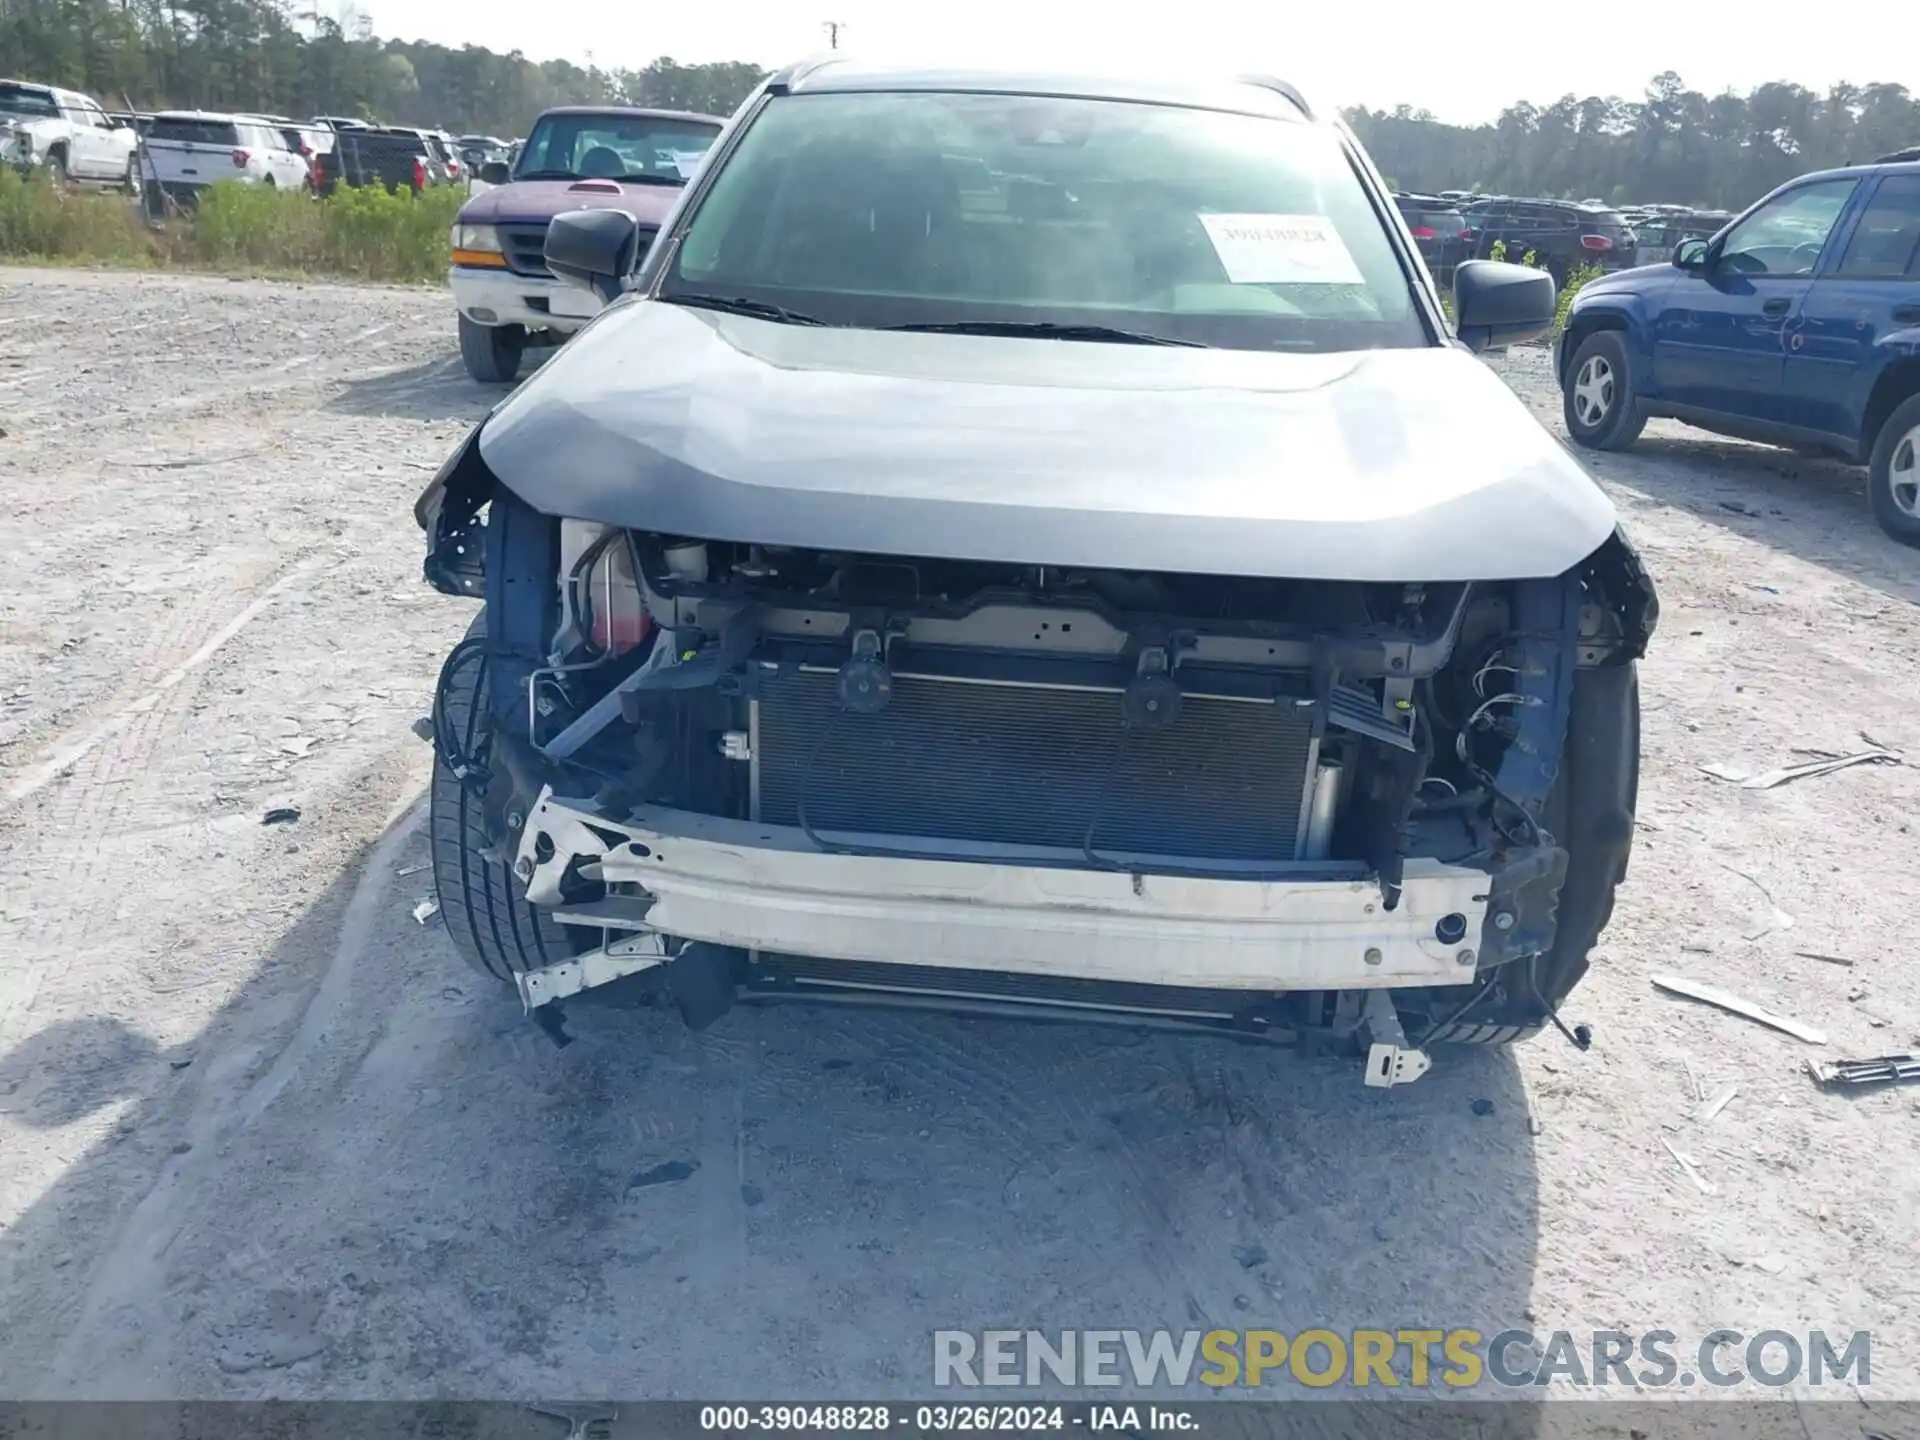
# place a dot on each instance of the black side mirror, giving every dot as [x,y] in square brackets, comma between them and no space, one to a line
[1496,304]
[593,249]
[495,172]
[1691,254]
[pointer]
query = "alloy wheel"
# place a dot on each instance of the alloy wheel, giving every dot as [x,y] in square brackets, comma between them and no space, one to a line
[1903,474]
[1593,391]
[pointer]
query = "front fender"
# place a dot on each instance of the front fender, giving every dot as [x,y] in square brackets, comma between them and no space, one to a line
[1625,312]
[449,511]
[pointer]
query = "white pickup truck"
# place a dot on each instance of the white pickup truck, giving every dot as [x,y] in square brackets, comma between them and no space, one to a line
[66,133]
[188,150]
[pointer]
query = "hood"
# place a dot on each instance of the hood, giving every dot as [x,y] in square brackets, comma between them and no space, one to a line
[1639,280]
[544,199]
[1389,465]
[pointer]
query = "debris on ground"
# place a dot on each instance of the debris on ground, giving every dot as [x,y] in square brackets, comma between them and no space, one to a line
[298,745]
[1768,779]
[426,910]
[406,870]
[1693,1079]
[1738,1005]
[1720,1100]
[1249,1256]
[422,725]
[281,815]
[671,1173]
[1691,1170]
[1483,1106]
[1777,919]
[1900,1067]
[1827,959]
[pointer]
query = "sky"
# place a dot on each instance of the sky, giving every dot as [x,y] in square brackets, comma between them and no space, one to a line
[1463,62]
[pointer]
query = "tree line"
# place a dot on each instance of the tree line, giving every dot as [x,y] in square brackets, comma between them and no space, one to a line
[270,56]
[1673,146]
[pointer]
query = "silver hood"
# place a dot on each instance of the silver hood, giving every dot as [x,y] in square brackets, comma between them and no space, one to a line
[1388,465]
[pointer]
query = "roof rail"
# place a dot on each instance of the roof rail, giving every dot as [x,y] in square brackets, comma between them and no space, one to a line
[1900,157]
[1280,87]
[784,79]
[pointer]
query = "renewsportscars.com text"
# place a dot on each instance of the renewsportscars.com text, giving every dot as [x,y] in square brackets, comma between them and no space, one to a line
[1416,1358]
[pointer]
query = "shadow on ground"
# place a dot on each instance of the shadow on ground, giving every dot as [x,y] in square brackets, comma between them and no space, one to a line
[1810,506]
[435,1201]
[437,390]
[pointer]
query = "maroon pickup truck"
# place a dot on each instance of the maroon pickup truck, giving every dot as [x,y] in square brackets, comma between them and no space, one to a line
[576,158]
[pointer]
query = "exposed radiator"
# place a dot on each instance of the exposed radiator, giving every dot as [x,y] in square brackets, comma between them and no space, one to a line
[1016,765]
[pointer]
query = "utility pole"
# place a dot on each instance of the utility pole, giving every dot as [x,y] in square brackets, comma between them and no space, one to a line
[833,29]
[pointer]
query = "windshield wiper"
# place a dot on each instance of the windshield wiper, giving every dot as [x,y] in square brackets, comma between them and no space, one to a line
[1046,330]
[741,305]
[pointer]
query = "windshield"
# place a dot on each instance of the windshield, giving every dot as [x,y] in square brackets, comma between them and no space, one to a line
[614,147]
[926,209]
[23,100]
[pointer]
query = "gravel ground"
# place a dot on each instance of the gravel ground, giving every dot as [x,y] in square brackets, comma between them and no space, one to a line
[262,1134]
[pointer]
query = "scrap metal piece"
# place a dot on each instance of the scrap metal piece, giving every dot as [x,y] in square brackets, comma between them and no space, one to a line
[1768,779]
[1738,1005]
[1691,1170]
[1720,1100]
[1390,1060]
[1899,1067]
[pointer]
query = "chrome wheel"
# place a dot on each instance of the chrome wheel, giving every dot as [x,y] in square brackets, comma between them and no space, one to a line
[1903,474]
[1593,391]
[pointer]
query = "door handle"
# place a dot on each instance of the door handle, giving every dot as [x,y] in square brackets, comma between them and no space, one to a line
[1907,314]
[1776,307]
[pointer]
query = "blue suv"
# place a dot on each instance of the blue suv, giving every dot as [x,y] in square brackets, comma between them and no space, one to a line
[1798,324]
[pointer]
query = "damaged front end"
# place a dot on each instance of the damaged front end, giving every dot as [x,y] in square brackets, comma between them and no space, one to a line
[1351,814]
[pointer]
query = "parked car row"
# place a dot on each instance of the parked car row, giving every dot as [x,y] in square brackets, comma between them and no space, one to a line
[185,151]
[1563,236]
[176,154]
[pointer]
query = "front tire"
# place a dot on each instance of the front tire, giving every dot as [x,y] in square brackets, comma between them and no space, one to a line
[1598,400]
[1894,474]
[491,352]
[58,175]
[493,927]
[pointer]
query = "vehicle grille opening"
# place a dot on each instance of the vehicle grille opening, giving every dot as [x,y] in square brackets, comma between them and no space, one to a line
[1021,765]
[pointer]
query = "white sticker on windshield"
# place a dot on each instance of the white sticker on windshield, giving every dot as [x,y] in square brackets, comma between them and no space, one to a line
[1281,250]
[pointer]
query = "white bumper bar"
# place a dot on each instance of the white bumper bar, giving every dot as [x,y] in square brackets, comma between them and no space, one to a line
[770,888]
[535,301]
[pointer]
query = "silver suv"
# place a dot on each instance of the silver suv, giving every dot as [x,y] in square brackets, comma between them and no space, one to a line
[1037,545]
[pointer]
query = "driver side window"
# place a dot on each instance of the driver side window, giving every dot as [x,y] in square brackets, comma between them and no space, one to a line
[1785,236]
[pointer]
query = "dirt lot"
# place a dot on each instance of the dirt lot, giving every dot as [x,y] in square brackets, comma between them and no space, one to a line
[262,1134]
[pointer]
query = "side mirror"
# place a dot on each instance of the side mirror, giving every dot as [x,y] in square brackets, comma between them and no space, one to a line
[1496,304]
[495,172]
[593,249]
[1690,254]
